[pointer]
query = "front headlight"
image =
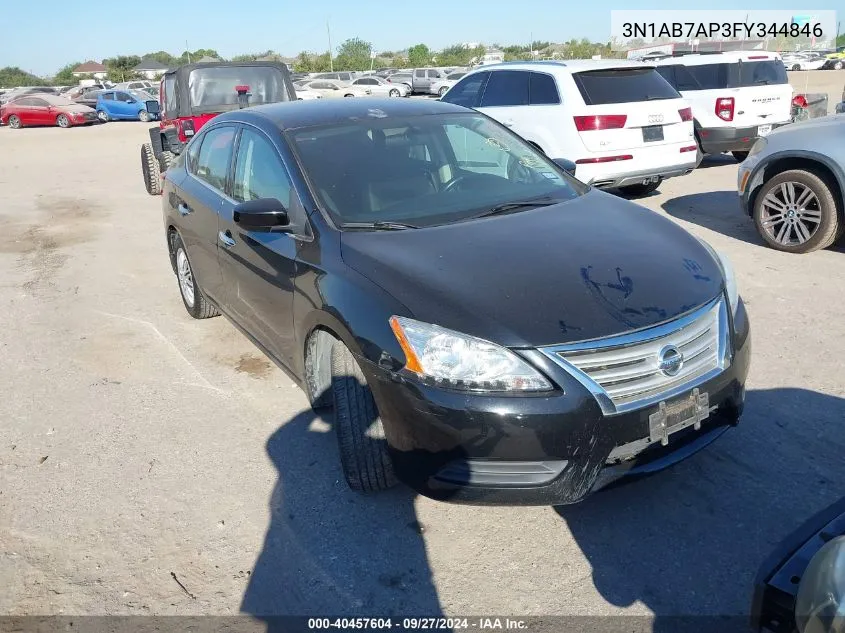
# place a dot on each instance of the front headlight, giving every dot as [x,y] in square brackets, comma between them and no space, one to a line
[457,361]
[821,591]
[728,273]
[759,146]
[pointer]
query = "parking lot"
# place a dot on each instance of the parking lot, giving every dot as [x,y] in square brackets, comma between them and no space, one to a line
[154,464]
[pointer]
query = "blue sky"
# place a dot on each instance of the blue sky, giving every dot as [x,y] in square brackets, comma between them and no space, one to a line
[44,36]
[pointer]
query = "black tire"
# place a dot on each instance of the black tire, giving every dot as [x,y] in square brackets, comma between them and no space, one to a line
[796,66]
[443,90]
[15,122]
[829,226]
[364,458]
[641,189]
[838,64]
[740,156]
[348,96]
[166,159]
[103,116]
[393,93]
[63,121]
[150,170]
[197,306]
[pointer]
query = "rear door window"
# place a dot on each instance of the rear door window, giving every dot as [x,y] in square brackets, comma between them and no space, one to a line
[506,88]
[215,152]
[763,73]
[108,96]
[542,89]
[704,77]
[467,92]
[623,85]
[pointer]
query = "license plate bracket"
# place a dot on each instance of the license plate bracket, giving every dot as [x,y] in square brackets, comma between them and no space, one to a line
[679,414]
[652,133]
[763,130]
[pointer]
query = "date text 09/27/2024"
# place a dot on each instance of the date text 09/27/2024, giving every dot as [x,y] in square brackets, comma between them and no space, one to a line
[725,30]
[419,624]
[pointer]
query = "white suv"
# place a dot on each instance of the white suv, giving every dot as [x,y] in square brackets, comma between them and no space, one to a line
[736,97]
[620,122]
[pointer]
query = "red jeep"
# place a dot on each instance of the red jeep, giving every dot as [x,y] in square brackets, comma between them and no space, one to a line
[193,94]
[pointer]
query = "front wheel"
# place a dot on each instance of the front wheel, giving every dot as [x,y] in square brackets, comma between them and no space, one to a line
[796,212]
[739,156]
[796,67]
[63,120]
[640,189]
[144,116]
[165,160]
[364,458]
[195,302]
[443,90]
[393,93]
[838,65]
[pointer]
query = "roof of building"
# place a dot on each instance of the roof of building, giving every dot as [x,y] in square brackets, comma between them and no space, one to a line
[207,59]
[90,67]
[150,64]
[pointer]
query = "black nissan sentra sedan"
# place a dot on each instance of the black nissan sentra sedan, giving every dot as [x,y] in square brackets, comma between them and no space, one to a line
[486,328]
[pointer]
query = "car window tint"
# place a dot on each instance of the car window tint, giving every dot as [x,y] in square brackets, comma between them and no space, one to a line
[122,96]
[433,74]
[192,154]
[467,91]
[668,73]
[213,159]
[455,76]
[506,88]
[623,85]
[38,102]
[259,172]
[169,102]
[704,77]
[474,152]
[108,96]
[419,73]
[542,89]
[768,72]
[24,101]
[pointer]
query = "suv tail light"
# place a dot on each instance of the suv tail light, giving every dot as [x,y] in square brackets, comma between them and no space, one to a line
[686,114]
[725,108]
[600,122]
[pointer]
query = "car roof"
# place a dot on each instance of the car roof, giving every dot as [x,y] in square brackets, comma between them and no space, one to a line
[568,66]
[298,114]
[724,57]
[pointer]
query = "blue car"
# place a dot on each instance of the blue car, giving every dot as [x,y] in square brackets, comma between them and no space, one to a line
[126,104]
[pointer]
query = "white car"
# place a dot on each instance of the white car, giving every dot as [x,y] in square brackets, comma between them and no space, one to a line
[736,97]
[619,121]
[330,89]
[379,87]
[305,94]
[803,61]
[442,86]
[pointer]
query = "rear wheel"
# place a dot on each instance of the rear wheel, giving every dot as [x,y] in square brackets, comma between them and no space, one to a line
[443,90]
[195,302]
[63,120]
[103,116]
[15,122]
[641,189]
[838,65]
[144,116]
[796,212]
[165,159]
[346,96]
[150,170]
[366,463]
[740,156]
[796,66]
[393,92]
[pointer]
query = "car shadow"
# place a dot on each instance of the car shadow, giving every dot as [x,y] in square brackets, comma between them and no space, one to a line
[715,210]
[717,160]
[673,542]
[329,550]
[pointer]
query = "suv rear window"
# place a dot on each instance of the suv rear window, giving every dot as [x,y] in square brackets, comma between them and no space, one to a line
[623,85]
[213,88]
[721,76]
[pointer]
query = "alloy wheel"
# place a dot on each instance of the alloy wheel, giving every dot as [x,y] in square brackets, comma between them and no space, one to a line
[791,213]
[186,277]
[63,121]
[14,122]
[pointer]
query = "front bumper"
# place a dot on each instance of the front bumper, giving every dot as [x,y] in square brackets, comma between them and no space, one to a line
[545,449]
[716,140]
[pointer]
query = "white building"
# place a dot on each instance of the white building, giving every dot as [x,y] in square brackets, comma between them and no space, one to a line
[92,69]
[150,69]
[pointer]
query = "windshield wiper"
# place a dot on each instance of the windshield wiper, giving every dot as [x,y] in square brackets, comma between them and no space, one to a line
[379,226]
[517,204]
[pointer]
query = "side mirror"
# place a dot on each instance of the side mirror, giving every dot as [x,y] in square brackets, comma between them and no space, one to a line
[153,107]
[263,214]
[566,165]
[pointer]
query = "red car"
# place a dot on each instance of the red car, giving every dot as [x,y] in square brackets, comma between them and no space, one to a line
[45,110]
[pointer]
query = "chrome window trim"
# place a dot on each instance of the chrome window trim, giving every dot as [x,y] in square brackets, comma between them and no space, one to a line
[642,336]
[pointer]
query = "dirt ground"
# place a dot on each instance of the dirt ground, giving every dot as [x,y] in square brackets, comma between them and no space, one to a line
[153,464]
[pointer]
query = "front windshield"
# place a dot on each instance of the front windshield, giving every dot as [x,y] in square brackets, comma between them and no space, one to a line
[214,87]
[425,170]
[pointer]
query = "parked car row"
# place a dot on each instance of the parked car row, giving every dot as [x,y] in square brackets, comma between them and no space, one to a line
[90,106]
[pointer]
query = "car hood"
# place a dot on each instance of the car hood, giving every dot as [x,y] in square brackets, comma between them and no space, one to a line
[591,267]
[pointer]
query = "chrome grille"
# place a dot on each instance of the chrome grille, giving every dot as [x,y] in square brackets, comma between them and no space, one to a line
[624,372]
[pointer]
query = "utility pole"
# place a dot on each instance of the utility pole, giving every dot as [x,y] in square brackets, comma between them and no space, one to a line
[188,51]
[531,45]
[329,31]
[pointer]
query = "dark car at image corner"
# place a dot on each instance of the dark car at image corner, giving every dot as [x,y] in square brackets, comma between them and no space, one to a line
[486,328]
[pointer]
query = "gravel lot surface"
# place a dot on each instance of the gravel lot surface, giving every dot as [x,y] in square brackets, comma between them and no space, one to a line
[139,447]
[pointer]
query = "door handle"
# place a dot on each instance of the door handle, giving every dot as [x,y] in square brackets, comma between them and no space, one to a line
[184,209]
[226,238]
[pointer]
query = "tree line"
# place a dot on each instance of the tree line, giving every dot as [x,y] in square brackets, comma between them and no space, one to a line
[353,54]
